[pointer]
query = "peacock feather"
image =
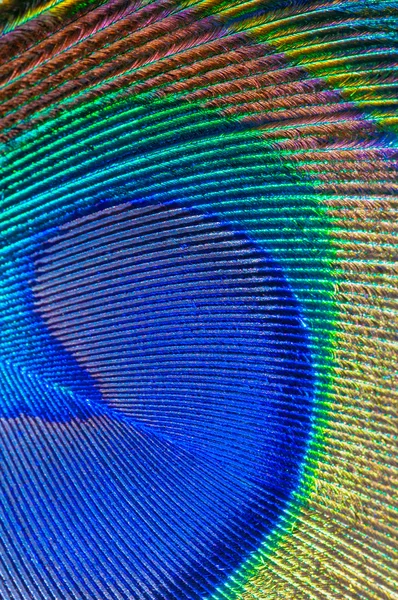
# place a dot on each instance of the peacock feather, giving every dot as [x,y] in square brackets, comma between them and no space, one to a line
[198,310]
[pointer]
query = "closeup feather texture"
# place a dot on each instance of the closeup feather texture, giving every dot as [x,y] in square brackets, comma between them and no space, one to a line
[199,307]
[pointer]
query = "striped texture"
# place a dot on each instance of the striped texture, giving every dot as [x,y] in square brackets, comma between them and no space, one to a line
[198,349]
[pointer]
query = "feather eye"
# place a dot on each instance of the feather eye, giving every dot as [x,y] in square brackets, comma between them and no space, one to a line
[198,310]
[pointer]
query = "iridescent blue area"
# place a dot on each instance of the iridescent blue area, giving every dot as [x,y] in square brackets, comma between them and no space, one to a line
[38,377]
[155,367]
[173,363]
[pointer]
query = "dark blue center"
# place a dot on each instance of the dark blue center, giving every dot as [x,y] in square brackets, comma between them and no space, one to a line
[192,409]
